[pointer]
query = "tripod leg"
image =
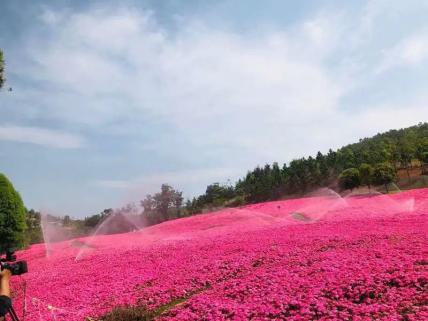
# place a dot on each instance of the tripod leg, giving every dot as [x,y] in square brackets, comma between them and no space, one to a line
[12,313]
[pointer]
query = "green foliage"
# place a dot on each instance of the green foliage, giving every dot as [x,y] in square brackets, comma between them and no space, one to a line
[421,152]
[12,215]
[366,174]
[424,157]
[34,232]
[349,178]
[217,194]
[92,221]
[383,174]
[163,206]
[2,77]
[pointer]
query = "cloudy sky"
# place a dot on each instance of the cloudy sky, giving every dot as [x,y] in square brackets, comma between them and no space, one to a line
[109,101]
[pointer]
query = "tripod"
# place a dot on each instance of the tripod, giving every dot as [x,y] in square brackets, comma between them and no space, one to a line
[12,313]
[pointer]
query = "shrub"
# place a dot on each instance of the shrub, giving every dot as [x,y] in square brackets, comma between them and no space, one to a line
[12,215]
[383,174]
[366,174]
[349,178]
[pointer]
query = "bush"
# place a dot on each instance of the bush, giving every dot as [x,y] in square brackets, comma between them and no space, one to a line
[349,178]
[366,174]
[235,202]
[12,216]
[383,174]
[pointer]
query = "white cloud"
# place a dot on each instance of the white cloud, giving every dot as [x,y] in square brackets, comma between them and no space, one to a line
[208,86]
[40,136]
[410,51]
[393,115]
[415,49]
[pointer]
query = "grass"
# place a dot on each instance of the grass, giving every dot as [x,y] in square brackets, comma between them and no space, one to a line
[128,314]
[141,313]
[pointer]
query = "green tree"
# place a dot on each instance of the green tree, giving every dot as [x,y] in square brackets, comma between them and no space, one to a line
[383,174]
[422,150]
[345,158]
[323,167]
[94,220]
[2,77]
[178,202]
[424,157]
[349,178]
[214,194]
[407,153]
[164,205]
[12,216]
[148,203]
[164,200]
[149,211]
[366,174]
[331,158]
[34,229]
[314,172]
[298,175]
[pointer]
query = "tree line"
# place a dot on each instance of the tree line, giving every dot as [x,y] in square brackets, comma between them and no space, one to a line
[371,161]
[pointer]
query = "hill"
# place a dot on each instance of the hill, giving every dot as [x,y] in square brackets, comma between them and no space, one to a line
[404,150]
[324,257]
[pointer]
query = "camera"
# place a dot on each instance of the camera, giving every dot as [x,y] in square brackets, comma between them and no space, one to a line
[16,268]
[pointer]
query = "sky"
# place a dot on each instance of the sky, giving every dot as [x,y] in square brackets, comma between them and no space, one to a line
[111,100]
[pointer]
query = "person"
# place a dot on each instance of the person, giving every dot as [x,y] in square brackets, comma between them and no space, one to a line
[5,301]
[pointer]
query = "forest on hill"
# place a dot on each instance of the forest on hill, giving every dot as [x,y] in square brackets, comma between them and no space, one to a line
[376,161]
[371,161]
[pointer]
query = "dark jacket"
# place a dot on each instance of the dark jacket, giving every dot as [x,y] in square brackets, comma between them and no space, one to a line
[5,304]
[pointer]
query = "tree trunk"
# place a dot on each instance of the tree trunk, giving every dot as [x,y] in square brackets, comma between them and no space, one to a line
[386,188]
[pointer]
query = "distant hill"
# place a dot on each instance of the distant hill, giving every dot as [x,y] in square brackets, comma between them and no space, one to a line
[404,150]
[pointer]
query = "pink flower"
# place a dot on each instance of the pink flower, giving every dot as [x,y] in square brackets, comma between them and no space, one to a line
[362,259]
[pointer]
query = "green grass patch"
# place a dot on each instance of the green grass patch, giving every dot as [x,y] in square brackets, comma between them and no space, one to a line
[141,313]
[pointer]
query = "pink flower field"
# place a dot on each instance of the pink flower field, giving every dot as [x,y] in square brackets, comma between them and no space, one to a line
[319,258]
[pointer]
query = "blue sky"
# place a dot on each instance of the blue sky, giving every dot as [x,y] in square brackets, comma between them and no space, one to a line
[109,101]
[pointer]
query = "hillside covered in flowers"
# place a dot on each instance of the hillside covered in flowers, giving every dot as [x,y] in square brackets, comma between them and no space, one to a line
[318,258]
